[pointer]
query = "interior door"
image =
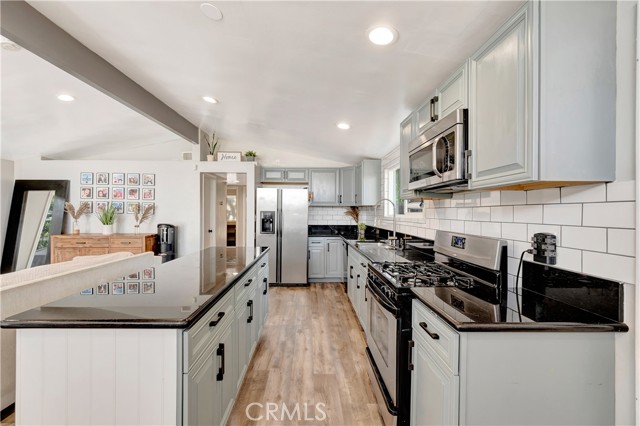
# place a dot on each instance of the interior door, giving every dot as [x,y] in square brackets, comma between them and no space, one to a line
[208,198]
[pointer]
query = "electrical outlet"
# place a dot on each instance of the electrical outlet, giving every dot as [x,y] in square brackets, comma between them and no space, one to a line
[544,248]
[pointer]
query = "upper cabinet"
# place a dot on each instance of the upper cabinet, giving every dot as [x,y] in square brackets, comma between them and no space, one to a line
[358,185]
[285,175]
[368,184]
[324,186]
[347,194]
[542,102]
[407,132]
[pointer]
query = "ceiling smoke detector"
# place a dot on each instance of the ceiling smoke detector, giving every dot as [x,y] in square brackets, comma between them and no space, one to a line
[9,45]
[382,35]
[211,12]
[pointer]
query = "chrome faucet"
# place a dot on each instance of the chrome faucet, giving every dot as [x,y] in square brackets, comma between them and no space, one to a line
[375,216]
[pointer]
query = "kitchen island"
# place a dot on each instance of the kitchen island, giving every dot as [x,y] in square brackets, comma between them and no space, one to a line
[146,357]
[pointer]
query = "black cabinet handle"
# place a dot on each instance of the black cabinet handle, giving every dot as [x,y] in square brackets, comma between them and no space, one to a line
[266,284]
[248,282]
[340,199]
[435,103]
[357,281]
[263,265]
[411,345]
[364,265]
[250,305]
[210,231]
[220,353]
[434,336]
[351,271]
[215,322]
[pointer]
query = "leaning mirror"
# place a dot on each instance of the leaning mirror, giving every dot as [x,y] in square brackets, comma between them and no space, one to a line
[37,210]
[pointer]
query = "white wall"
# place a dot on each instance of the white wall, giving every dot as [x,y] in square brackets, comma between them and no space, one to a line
[6,192]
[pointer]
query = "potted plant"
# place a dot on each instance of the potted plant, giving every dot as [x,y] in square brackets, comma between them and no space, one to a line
[212,144]
[250,155]
[76,214]
[361,228]
[107,217]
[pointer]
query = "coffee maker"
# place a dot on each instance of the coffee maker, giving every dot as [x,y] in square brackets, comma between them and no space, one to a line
[167,241]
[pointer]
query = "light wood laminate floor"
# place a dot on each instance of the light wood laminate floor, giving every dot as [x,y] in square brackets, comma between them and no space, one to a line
[311,352]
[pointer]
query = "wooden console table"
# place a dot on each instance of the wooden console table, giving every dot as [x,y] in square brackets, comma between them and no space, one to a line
[66,247]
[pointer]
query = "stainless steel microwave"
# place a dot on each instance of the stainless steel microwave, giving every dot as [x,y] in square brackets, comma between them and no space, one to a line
[438,157]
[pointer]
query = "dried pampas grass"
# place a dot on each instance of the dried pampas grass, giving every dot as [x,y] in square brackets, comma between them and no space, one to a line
[76,214]
[353,213]
[146,214]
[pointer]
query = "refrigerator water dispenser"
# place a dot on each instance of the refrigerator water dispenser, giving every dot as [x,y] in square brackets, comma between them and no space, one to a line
[266,221]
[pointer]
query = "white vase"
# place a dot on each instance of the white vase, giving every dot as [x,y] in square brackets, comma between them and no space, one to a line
[209,157]
[107,229]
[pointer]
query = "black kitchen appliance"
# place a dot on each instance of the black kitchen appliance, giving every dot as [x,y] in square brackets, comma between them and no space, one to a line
[469,274]
[167,241]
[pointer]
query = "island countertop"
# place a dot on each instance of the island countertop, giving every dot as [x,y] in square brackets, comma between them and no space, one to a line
[184,289]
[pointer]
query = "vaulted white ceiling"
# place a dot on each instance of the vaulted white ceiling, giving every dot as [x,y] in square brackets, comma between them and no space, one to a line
[284,72]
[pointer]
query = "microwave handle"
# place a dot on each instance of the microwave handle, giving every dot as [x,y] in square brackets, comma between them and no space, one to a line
[433,157]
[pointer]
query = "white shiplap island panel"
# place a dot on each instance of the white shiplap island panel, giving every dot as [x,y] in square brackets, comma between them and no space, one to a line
[98,376]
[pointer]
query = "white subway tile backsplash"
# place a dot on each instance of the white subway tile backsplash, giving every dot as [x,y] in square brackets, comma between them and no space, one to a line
[441,213]
[527,214]
[512,198]
[562,214]
[473,228]
[551,229]
[473,199]
[610,215]
[519,247]
[514,231]
[457,226]
[490,198]
[482,214]
[613,267]
[622,241]
[569,259]
[594,239]
[543,196]
[621,191]
[465,214]
[491,229]
[458,200]
[502,214]
[584,193]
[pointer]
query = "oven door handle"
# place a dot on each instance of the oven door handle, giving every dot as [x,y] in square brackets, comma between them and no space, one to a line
[386,305]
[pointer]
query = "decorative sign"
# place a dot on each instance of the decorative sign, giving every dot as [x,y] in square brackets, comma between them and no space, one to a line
[229,156]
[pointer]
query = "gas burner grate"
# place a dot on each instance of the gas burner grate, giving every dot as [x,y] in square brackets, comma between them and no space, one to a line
[424,275]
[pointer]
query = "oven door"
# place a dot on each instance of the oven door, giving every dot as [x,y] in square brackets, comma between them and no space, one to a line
[422,166]
[382,339]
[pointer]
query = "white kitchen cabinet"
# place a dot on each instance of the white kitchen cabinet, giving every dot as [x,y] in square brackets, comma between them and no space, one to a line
[202,392]
[285,175]
[356,285]
[407,133]
[246,331]
[454,92]
[472,378]
[368,183]
[347,186]
[325,259]
[324,186]
[542,101]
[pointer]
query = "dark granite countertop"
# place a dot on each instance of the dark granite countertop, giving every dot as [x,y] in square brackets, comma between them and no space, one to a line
[551,300]
[375,251]
[185,289]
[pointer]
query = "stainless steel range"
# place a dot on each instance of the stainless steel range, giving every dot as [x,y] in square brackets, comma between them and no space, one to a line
[469,274]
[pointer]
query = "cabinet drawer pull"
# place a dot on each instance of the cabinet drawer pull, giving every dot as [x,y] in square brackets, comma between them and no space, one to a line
[250,305]
[364,265]
[351,271]
[434,336]
[266,285]
[358,281]
[215,322]
[220,353]
[411,345]
[81,242]
[248,282]
[263,265]
[125,242]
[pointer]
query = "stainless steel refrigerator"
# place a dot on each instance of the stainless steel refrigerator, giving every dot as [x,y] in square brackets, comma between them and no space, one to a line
[281,225]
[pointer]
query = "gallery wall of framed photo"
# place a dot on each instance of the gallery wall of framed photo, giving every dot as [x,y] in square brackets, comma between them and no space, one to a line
[123,191]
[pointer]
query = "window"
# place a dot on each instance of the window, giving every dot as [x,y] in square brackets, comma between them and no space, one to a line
[392,191]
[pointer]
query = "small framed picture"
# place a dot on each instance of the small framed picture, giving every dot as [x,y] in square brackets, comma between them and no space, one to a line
[117,193]
[86,178]
[103,288]
[133,178]
[90,203]
[133,193]
[117,287]
[86,192]
[134,276]
[133,287]
[153,207]
[148,287]
[117,178]
[101,206]
[87,291]
[118,206]
[102,178]
[148,179]
[148,273]
[148,193]
[130,208]
[102,192]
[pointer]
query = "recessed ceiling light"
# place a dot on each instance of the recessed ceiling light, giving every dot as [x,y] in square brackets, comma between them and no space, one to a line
[211,12]
[66,98]
[343,126]
[382,35]
[9,45]
[210,99]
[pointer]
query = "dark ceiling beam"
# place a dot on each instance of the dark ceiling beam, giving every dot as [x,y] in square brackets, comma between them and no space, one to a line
[24,25]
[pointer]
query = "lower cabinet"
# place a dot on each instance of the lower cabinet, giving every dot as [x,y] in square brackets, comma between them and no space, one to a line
[492,377]
[356,285]
[325,258]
